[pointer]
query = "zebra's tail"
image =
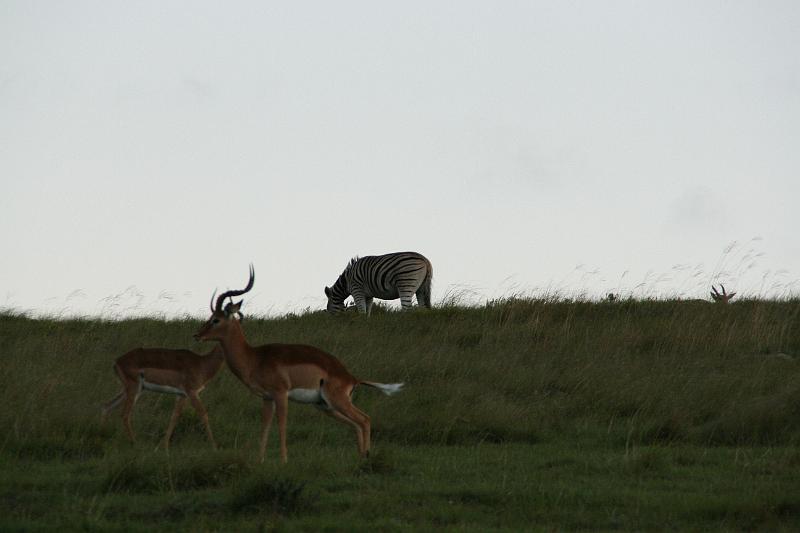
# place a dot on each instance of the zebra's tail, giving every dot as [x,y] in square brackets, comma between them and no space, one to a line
[425,289]
[387,388]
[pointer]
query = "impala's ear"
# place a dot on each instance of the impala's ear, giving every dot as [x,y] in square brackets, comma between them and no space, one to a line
[328,292]
[233,308]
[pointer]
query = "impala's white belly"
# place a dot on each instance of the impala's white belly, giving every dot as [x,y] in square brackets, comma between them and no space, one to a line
[166,389]
[309,396]
[305,396]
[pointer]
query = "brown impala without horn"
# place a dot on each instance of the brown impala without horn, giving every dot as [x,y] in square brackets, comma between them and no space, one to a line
[179,372]
[721,298]
[281,372]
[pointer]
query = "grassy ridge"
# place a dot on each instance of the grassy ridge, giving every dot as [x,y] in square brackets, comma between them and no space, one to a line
[518,414]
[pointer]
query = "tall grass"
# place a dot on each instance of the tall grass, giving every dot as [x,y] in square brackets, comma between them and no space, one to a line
[640,388]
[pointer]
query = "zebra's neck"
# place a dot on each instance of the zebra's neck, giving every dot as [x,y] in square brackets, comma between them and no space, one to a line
[340,289]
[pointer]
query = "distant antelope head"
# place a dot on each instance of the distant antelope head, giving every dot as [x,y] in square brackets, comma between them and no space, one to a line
[721,298]
[216,327]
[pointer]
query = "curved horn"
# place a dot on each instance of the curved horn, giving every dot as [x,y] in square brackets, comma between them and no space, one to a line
[211,304]
[226,294]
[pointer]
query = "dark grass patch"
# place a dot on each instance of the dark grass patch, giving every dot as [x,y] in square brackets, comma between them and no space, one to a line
[460,436]
[381,463]
[469,340]
[473,497]
[208,471]
[455,432]
[558,463]
[127,475]
[179,508]
[160,472]
[80,442]
[14,500]
[282,495]
[751,515]
[645,460]
[667,431]
[761,421]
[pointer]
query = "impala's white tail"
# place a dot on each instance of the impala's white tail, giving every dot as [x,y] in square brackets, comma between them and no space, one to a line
[387,388]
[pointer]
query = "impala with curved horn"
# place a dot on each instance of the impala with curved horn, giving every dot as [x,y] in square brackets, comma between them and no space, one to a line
[282,372]
[721,298]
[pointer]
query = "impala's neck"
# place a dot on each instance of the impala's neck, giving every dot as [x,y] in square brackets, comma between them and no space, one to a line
[214,359]
[238,353]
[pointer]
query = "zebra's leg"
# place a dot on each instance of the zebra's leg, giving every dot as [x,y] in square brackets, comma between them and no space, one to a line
[424,295]
[358,297]
[405,300]
[368,304]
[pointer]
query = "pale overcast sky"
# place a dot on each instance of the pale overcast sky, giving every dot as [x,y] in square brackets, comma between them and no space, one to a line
[150,150]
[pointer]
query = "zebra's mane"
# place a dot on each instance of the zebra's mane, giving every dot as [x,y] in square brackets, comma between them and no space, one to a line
[351,263]
[341,282]
[342,279]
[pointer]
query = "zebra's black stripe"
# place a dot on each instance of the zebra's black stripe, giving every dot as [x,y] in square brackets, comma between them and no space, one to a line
[390,276]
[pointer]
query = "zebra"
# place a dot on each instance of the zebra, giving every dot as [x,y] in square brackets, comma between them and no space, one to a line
[390,276]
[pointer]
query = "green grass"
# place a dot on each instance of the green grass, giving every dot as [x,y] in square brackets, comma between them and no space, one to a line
[519,415]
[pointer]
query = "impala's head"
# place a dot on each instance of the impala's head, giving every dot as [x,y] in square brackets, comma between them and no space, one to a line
[217,326]
[723,297]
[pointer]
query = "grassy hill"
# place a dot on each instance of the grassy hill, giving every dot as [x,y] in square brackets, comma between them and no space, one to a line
[522,414]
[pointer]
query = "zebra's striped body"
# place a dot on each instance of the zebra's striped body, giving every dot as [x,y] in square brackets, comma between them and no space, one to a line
[388,277]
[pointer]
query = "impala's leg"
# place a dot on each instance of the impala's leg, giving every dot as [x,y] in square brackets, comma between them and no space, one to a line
[366,426]
[333,413]
[132,391]
[282,410]
[267,410]
[339,400]
[203,414]
[180,401]
[111,405]
[116,400]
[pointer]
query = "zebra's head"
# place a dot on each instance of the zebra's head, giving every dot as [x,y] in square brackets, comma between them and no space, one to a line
[335,301]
